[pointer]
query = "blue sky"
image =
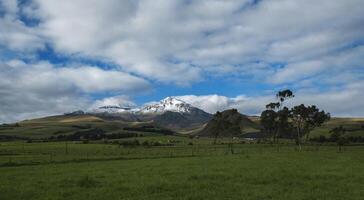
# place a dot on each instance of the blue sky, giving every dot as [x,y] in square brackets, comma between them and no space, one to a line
[59,56]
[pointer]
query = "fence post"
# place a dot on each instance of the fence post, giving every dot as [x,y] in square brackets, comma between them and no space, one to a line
[66,150]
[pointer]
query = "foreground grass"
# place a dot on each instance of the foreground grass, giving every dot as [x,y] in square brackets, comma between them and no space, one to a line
[258,175]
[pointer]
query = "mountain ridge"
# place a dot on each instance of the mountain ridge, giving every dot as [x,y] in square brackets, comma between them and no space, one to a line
[169,112]
[167,104]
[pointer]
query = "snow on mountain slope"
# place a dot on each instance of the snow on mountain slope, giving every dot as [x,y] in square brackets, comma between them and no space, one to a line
[167,104]
[115,109]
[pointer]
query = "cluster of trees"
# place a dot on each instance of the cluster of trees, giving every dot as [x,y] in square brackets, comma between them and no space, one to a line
[145,143]
[9,126]
[98,134]
[280,121]
[94,134]
[227,124]
[150,129]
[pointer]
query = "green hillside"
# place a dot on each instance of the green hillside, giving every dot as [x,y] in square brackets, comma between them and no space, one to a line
[354,127]
[66,125]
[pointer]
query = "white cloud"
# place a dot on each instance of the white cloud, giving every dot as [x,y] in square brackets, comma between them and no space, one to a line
[84,78]
[344,102]
[338,63]
[14,34]
[182,42]
[176,41]
[38,89]
[208,103]
[179,41]
[93,79]
[10,6]
[213,103]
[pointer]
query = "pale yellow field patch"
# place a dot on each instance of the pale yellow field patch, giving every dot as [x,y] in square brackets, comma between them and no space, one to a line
[82,119]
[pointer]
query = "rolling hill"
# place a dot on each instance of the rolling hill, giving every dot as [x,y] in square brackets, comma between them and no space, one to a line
[228,123]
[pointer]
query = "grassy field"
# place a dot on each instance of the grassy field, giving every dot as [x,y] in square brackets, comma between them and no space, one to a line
[60,125]
[179,167]
[22,153]
[354,127]
[200,171]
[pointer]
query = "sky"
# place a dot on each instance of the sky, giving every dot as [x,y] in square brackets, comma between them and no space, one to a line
[60,56]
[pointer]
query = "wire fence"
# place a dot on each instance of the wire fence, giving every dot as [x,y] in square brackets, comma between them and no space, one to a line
[15,154]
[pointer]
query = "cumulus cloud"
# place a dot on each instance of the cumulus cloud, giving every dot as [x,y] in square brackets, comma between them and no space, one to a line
[348,61]
[14,35]
[304,44]
[179,41]
[182,41]
[343,102]
[213,103]
[40,88]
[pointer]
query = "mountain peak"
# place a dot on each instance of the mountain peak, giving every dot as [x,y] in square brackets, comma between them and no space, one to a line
[172,104]
[172,100]
[168,104]
[115,109]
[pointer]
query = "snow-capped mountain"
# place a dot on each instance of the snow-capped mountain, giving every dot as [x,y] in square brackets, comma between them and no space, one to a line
[169,113]
[115,109]
[168,104]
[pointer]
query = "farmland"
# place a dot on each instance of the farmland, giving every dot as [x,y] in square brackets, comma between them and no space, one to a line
[198,171]
[147,164]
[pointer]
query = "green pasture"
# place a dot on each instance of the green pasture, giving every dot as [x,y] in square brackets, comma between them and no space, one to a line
[198,171]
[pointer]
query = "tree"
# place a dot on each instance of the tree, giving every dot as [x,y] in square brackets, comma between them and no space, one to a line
[338,136]
[284,95]
[305,119]
[283,123]
[268,120]
[219,125]
[275,119]
[316,118]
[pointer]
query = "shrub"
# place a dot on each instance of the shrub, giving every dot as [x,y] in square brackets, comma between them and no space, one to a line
[145,143]
[87,182]
[157,143]
[130,142]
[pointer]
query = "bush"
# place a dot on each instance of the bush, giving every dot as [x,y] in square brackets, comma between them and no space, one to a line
[150,129]
[130,143]
[121,135]
[320,139]
[157,143]
[87,182]
[146,143]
